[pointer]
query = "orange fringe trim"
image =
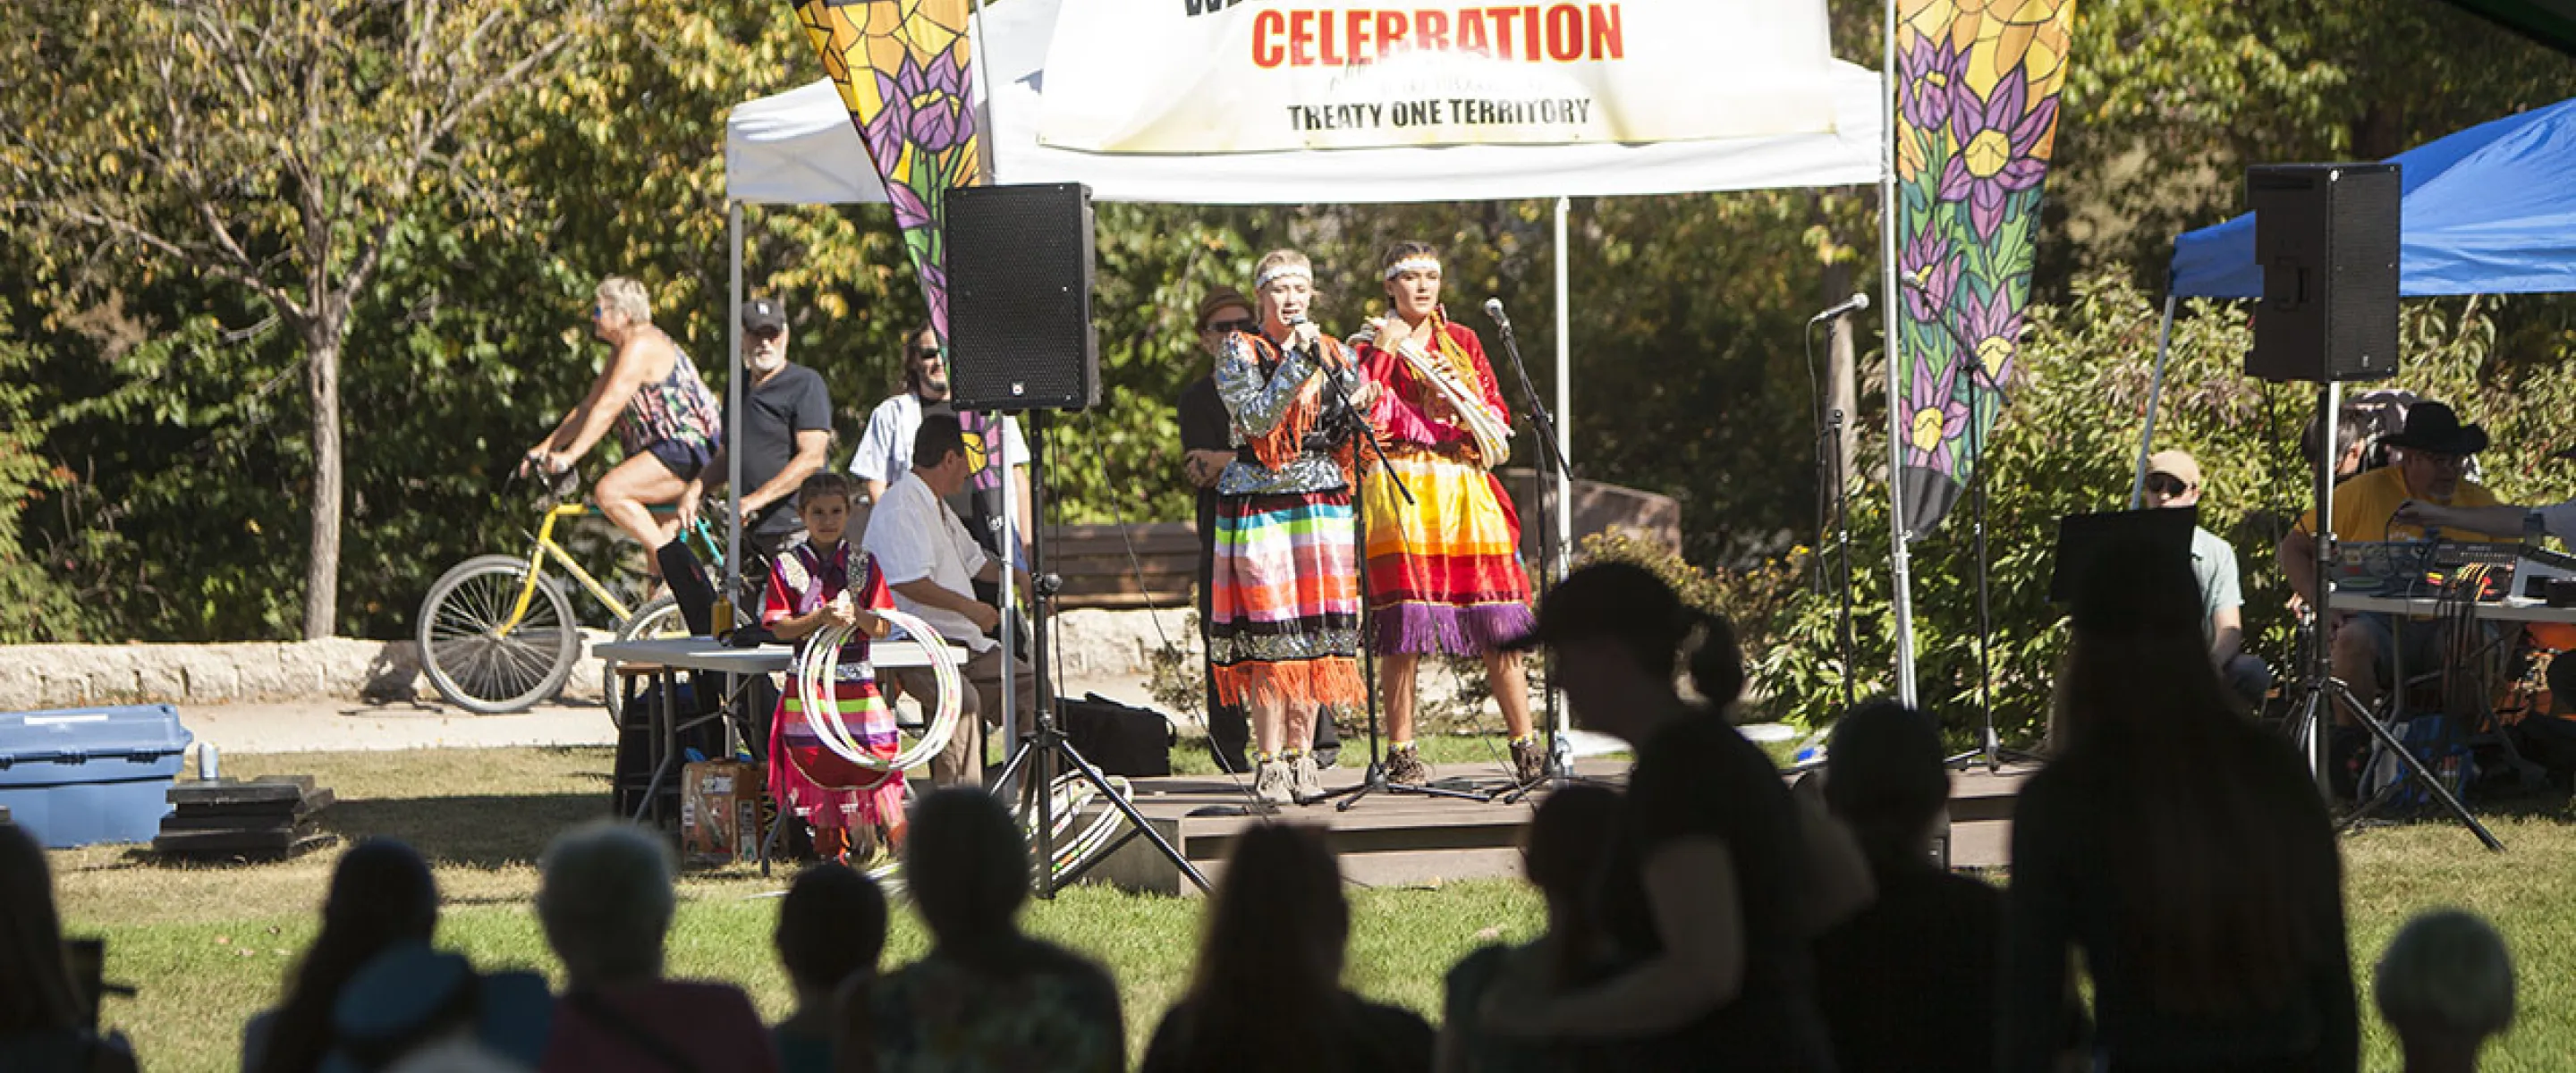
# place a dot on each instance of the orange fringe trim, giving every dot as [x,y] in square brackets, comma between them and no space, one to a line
[1330,680]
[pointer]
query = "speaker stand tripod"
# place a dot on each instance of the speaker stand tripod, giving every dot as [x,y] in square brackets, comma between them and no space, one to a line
[1040,753]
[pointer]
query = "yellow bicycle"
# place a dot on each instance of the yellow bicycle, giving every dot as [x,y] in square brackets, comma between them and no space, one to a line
[497,634]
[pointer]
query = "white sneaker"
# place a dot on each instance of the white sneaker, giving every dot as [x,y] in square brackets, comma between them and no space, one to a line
[1273,783]
[1305,780]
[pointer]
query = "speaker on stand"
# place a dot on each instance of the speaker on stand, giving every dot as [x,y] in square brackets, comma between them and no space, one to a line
[1020,338]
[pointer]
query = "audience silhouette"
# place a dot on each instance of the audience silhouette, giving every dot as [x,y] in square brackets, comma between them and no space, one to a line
[2446,986]
[1569,847]
[2181,849]
[987,997]
[604,898]
[1908,983]
[381,897]
[831,928]
[1268,994]
[46,1023]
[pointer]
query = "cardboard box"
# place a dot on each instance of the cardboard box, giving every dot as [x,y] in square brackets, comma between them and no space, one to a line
[719,812]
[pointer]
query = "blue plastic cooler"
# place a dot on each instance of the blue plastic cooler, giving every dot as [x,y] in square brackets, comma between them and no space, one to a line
[85,775]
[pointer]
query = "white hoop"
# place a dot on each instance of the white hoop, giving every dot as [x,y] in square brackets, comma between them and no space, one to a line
[818,666]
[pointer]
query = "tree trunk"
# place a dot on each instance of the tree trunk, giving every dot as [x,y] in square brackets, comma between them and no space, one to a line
[322,561]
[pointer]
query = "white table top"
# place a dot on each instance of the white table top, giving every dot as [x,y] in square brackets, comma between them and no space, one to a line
[708,654]
[2516,609]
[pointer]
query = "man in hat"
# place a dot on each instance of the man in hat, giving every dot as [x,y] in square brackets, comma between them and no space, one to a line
[2556,519]
[786,433]
[2174,480]
[2431,453]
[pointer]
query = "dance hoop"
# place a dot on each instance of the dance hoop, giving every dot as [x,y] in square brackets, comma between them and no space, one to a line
[818,666]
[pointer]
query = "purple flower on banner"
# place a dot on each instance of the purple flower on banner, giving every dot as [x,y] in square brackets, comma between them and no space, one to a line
[942,116]
[1929,67]
[1993,333]
[1928,271]
[1934,414]
[1997,142]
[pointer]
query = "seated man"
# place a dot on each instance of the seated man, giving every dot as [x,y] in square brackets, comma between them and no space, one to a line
[2430,455]
[2173,480]
[932,564]
[2556,519]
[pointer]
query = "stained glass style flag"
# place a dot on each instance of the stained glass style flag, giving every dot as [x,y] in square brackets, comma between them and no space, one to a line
[905,71]
[1976,122]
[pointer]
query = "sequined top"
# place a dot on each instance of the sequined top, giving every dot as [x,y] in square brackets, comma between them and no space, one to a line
[1259,395]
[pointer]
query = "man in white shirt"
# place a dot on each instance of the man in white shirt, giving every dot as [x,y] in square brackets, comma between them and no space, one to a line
[885,450]
[932,565]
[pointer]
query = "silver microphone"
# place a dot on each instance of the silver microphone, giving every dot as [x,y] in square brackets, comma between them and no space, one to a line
[1494,309]
[1853,304]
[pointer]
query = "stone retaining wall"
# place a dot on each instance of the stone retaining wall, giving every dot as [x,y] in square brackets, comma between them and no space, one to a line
[1095,644]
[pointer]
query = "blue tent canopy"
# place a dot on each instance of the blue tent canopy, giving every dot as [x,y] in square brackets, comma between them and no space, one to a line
[2489,210]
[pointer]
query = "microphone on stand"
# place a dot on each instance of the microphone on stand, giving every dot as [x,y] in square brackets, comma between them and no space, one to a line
[1494,309]
[1853,304]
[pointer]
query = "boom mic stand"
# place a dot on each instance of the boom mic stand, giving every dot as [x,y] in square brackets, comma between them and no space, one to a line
[2319,690]
[1375,781]
[1046,746]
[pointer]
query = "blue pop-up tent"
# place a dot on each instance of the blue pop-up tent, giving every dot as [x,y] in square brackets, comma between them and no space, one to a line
[2489,210]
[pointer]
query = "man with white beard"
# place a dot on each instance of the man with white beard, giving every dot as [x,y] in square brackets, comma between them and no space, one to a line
[786,433]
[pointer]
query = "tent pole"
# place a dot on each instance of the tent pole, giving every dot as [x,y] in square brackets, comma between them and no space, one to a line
[1900,571]
[2155,399]
[1564,399]
[733,406]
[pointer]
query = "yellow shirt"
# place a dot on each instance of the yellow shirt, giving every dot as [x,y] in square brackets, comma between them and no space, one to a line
[2364,505]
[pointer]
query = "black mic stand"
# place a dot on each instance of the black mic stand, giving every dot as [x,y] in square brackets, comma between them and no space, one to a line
[1375,781]
[1551,567]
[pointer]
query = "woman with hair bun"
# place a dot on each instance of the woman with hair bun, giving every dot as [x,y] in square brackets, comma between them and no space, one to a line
[1717,881]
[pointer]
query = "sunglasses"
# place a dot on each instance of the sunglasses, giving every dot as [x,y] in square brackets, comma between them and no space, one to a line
[2441,461]
[765,332]
[2166,484]
[919,353]
[1229,327]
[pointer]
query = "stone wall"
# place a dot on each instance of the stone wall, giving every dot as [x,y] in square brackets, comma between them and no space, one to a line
[1095,644]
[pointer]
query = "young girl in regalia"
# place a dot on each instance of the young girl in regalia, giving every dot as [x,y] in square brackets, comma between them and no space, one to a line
[828,582]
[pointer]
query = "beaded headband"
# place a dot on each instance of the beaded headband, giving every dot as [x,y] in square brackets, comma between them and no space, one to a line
[1412,264]
[1279,272]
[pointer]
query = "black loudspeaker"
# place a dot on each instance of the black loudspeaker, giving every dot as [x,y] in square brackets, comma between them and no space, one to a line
[2326,238]
[1019,298]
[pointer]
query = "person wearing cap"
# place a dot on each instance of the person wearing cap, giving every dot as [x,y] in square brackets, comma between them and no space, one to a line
[2431,453]
[1716,885]
[1207,447]
[2174,481]
[885,449]
[786,434]
[2556,519]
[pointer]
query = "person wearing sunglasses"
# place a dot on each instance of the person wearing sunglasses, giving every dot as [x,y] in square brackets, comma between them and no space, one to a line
[2432,455]
[2174,481]
[885,449]
[786,433]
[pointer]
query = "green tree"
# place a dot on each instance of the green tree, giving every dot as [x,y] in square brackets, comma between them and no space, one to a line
[276,146]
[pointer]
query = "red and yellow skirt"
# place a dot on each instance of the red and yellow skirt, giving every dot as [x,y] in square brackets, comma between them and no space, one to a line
[1444,571]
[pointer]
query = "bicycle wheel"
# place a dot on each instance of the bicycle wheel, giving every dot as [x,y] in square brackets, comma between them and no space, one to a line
[467,657]
[658,619]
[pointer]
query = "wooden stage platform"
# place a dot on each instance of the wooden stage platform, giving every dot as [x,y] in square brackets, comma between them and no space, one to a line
[1415,840]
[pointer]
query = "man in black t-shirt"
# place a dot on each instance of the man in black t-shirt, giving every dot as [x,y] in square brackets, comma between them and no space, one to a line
[786,433]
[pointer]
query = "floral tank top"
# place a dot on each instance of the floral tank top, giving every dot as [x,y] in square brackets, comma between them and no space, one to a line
[678,408]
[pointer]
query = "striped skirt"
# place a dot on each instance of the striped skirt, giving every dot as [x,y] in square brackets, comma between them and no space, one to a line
[1284,602]
[1444,571]
[810,780]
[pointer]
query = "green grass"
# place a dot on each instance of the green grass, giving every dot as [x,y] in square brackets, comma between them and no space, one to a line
[208,946]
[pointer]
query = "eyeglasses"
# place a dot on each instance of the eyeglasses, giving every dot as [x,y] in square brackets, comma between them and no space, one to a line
[765,333]
[2441,461]
[1229,327]
[2166,484]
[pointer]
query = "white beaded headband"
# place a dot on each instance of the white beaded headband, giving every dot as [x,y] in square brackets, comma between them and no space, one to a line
[1412,264]
[1279,272]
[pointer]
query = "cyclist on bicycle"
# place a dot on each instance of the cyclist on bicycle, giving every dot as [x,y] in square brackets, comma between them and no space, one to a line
[666,418]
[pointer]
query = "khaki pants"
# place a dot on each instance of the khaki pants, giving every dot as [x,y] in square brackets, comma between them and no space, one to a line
[962,762]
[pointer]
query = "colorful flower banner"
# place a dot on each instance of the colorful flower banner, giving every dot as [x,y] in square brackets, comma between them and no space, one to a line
[905,71]
[1976,121]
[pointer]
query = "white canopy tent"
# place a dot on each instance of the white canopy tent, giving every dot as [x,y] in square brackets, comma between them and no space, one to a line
[799,148]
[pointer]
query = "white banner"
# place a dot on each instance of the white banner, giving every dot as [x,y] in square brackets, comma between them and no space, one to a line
[1239,76]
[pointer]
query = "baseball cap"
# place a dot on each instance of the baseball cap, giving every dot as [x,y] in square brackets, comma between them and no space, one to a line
[2178,464]
[763,315]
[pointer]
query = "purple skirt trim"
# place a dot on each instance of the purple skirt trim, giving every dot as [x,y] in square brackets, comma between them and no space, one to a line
[1434,629]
